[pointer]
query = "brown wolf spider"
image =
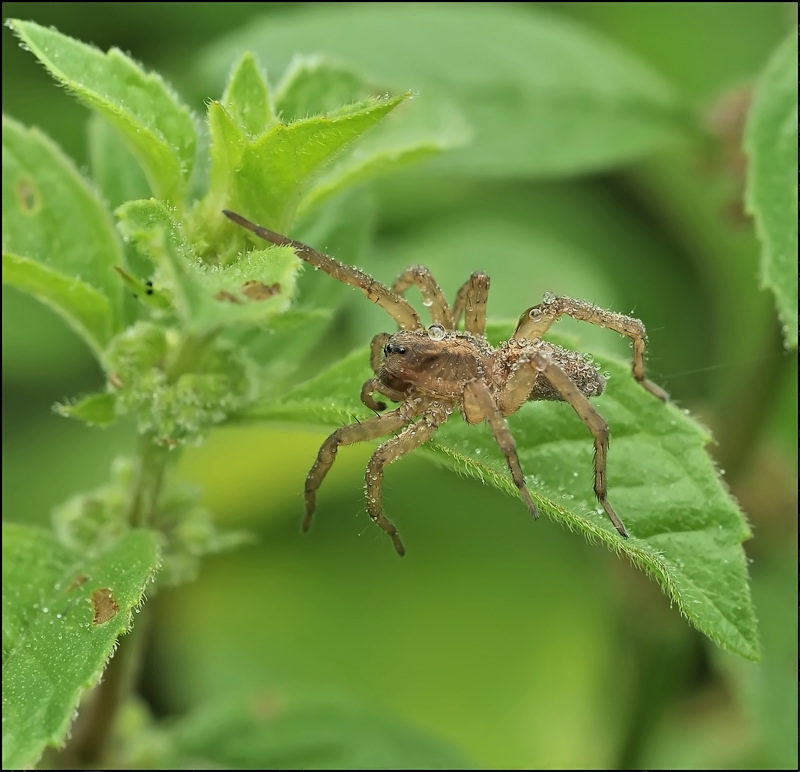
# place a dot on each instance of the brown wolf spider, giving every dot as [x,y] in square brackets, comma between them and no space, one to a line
[434,371]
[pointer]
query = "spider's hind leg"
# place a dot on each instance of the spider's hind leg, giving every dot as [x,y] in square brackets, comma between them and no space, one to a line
[561,382]
[537,320]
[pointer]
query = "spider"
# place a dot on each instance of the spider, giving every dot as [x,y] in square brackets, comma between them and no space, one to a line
[434,371]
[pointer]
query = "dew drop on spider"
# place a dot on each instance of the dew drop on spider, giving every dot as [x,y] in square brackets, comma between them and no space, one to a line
[427,302]
[436,332]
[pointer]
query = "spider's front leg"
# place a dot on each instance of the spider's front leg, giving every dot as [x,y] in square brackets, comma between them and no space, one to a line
[471,301]
[398,308]
[409,439]
[376,385]
[536,321]
[432,295]
[348,435]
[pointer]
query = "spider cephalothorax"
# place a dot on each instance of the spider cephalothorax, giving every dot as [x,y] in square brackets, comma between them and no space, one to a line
[436,371]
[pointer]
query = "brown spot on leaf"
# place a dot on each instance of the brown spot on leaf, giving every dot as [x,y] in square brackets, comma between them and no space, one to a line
[28,195]
[256,290]
[105,606]
[228,297]
[77,582]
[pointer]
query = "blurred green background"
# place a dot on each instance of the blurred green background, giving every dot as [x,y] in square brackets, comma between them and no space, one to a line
[516,642]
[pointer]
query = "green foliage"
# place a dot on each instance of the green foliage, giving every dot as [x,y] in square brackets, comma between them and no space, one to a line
[269,731]
[771,144]
[195,324]
[58,240]
[62,614]
[158,128]
[549,99]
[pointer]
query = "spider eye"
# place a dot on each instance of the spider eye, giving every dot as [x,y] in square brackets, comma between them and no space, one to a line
[393,348]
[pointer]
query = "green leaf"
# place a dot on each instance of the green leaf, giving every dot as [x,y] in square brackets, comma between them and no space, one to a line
[266,178]
[157,126]
[251,289]
[247,98]
[115,169]
[54,225]
[149,224]
[85,309]
[62,616]
[686,531]
[550,98]
[771,144]
[315,85]
[95,410]
[273,732]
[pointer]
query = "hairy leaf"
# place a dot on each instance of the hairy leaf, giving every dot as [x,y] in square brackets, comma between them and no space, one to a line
[115,169]
[156,125]
[85,309]
[315,85]
[771,144]
[59,237]
[547,98]
[247,97]
[266,178]
[250,289]
[62,616]
[686,531]
[95,410]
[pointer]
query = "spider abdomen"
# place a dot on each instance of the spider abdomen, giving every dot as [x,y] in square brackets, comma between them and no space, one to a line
[514,353]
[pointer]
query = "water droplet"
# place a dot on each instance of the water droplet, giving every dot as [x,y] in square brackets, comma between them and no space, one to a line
[436,332]
[548,298]
[427,302]
[588,357]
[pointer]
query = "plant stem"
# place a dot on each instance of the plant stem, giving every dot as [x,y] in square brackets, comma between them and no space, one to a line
[151,465]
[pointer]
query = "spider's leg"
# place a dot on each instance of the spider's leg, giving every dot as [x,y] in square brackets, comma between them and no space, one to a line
[432,295]
[409,439]
[537,320]
[398,308]
[471,301]
[376,351]
[478,401]
[375,386]
[347,435]
[594,422]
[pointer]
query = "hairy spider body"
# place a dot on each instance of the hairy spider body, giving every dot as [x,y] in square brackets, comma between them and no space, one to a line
[437,371]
